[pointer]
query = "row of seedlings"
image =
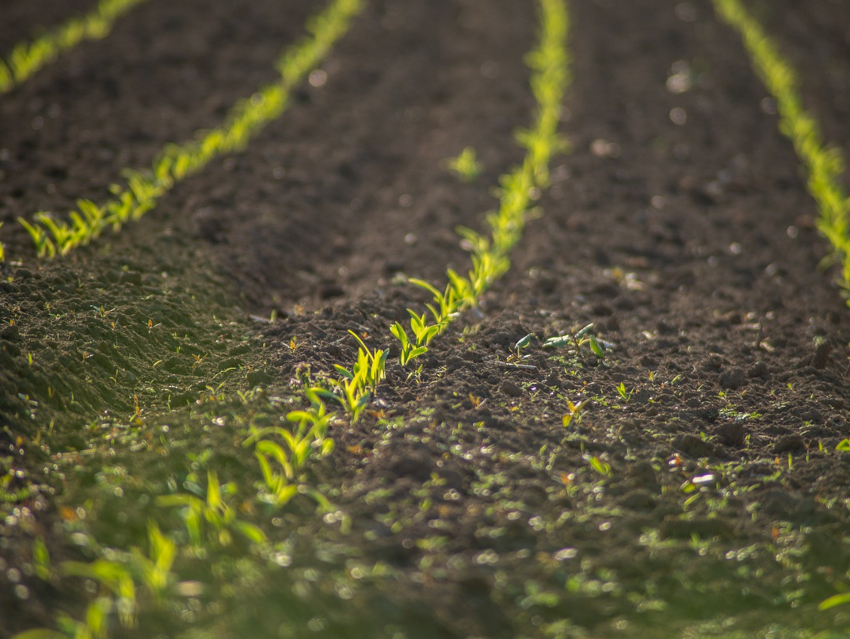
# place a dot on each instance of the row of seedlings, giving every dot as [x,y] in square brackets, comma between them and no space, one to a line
[824,164]
[53,236]
[27,58]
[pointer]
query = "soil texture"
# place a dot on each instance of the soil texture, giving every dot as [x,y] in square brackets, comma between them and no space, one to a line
[685,484]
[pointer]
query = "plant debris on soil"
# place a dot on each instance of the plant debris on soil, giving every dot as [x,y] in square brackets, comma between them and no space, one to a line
[688,477]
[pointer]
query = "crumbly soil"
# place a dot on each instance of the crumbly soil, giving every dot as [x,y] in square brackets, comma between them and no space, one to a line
[697,493]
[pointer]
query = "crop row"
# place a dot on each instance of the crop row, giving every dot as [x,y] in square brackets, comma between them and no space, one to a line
[209,516]
[824,164]
[55,236]
[27,58]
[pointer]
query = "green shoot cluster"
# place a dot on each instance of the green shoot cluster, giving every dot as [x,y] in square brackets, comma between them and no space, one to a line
[549,62]
[177,162]
[355,387]
[27,58]
[824,164]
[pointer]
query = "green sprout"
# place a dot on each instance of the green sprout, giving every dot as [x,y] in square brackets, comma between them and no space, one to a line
[625,394]
[600,466]
[116,592]
[213,510]
[156,568]
[574,413]
[281,482]
[582,338]
[465,165]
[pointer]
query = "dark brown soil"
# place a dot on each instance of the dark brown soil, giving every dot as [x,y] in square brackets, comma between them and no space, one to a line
[679,225]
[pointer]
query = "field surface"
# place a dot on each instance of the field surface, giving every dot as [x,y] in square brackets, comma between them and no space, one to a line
[683,475]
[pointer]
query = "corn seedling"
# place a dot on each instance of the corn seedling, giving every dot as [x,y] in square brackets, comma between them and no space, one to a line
[824,163]
[155,568]
[581,339]
[625,394]
[549,62]
[840,599]
[116,593]
[27,58]
[177,162]
[600,466]
[281,482]
[355,387]
[466,165]
[213,510]
[574,413]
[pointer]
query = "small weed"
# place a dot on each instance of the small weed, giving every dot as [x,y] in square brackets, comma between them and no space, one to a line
[625,394]
[600,466]
[574,414]
[465,165]
[581,340]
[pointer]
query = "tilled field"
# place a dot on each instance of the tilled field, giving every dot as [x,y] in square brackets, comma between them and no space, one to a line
[683,474]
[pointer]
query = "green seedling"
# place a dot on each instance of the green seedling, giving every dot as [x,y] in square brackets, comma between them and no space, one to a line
[117,592]
[466,165]
[355,387]
[574,414]
[843,446]
[823,163]
[840,599]
[296,448]
[581,339]
[625,394]
[41,560]
[155,567]
[213,510]
[600,466]
[516,355]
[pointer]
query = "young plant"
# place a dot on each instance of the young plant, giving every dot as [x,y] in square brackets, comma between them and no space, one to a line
[466,165]
[155,567]
[574,413]
[599,465]
[516,355]
[213,510]
[116,593]
[282,482]
[581,339]
[625,394]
